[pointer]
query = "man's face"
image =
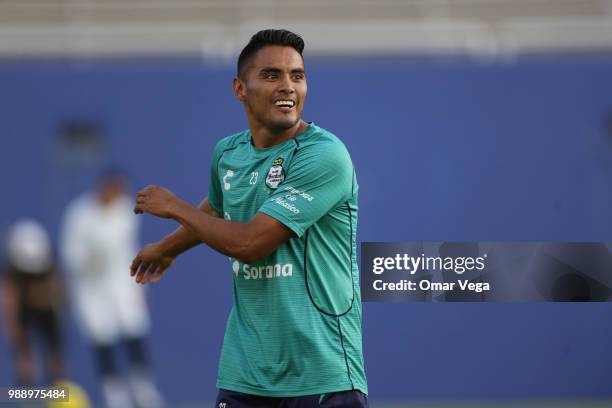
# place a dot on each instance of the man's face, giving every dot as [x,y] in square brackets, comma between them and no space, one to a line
[273,87]
[111,189]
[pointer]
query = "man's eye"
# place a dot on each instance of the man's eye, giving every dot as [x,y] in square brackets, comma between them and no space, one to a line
[298,76]
[270,76]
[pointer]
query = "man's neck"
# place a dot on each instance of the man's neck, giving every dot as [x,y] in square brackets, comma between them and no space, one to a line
[264,137]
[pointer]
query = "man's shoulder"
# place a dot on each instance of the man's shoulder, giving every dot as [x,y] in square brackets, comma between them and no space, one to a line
[323,143]
[232,141]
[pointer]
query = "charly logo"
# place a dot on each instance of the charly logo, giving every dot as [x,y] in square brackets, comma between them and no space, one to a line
[226,184]
[276,174]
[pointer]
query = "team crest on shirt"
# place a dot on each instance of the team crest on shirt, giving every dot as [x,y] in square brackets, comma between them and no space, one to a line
[276,174]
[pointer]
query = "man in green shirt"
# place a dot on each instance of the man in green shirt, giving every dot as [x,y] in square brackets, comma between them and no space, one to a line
[282,204]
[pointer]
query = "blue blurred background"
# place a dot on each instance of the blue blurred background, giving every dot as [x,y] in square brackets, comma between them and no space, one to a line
[447,146]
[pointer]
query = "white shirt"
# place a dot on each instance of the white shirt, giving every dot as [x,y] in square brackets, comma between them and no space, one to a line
[98,243]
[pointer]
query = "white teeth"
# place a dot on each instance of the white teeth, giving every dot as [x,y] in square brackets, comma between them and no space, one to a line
[284,103]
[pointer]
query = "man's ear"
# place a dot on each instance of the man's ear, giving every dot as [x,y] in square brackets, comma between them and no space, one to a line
[239,89]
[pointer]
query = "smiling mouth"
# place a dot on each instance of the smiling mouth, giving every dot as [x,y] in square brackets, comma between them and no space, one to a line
[285,103]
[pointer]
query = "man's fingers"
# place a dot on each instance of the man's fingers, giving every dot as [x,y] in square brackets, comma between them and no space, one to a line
[141,271]
[138,209]
[134,266]
[146,190]
[158,275]
[148,272]
[143,192]
[141,199]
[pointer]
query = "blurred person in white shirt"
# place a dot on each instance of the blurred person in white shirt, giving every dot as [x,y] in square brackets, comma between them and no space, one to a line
[99,238]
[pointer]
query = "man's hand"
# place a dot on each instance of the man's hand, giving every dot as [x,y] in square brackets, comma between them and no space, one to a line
[156,201]
[150,264]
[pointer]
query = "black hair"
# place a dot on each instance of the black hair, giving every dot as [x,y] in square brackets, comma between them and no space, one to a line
[268,37]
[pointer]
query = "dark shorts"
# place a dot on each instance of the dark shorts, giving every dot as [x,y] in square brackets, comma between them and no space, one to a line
[45,322]
[342,399]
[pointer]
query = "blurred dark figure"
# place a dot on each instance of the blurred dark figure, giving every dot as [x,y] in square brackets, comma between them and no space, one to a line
[573,271]
[31,295]
[99,238]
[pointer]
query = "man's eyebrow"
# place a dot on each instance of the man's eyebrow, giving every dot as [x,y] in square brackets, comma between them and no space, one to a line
[270,70]
[274,70]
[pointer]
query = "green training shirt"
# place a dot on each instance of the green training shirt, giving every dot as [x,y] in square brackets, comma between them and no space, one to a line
[295,325]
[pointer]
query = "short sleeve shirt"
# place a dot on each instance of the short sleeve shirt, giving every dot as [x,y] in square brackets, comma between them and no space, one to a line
[295,325]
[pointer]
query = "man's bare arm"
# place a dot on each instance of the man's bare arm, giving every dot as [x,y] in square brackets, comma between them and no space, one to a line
[246,242]
[152,260]
[183,239]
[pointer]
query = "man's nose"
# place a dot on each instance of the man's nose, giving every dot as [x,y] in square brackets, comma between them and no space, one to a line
[286,85]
